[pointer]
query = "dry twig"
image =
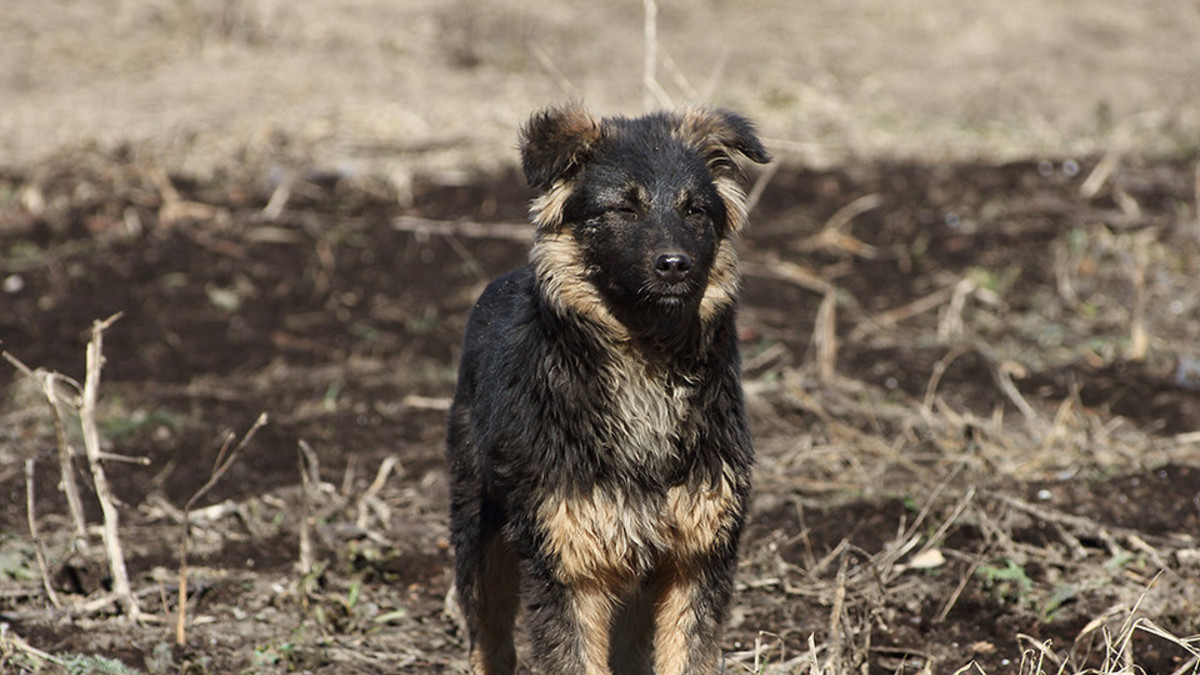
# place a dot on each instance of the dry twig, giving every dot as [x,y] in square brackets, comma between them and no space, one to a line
[11,641]
[1099,176]
[1086,527]
[833,236]
[279,198]
[174,207]
[652,91]
[310,477]
[91,445]
[225,459]
[760,185]
[1139,340]
[939,370]
[783,270]
[66,462]
[464,228]
[37,540]
[369,500]
[552,68]
[895,316]
[825,336]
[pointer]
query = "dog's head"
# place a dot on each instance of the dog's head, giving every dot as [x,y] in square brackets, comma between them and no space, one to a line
[635,216]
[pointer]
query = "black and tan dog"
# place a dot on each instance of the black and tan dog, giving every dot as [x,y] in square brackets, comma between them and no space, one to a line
[598,447]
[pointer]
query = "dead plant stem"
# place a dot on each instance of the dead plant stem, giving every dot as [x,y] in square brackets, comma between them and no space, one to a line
[370,496]
[464,228]
[843,216]
[225,459]
[892,317]
[825,336]
[309,480]
[91,445]
[31,515]
[760,185]
[836,648]
[652,91]
[66,463]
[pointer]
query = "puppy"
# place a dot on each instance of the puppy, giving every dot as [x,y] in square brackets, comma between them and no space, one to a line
[597,447]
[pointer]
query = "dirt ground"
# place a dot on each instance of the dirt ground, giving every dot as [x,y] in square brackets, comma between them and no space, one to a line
[969,322]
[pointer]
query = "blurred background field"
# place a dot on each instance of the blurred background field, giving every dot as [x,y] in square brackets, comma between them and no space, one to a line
[432,85]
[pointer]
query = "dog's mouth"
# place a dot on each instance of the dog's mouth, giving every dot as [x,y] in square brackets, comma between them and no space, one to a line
[670,296]
[671,302]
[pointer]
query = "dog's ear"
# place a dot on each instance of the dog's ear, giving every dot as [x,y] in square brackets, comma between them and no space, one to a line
[555,142]
[719,134]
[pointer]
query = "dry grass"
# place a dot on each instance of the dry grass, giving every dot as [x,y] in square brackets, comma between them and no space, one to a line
[420,87]
[834,574]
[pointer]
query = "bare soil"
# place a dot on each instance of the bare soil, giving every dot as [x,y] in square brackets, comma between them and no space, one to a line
[978,468]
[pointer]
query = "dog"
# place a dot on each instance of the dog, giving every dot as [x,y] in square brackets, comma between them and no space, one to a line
[597,445]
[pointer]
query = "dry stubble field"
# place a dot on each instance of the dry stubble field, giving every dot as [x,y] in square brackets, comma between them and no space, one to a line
[970,320]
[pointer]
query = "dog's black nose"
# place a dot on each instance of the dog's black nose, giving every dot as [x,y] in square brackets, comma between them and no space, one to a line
[673,267]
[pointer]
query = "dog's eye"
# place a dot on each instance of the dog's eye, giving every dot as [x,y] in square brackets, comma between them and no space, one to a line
[624,212]
[696,211]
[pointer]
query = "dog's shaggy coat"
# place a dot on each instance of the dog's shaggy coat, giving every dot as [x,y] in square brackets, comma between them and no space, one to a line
[598,449]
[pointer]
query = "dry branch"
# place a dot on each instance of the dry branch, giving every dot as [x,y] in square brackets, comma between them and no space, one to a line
[310,477]
[935,377]
[837,241]
[895,316]
[652,91]
[225,459]
[33,533]
[418,402]
[10,642]
[788,271]
[1003,372]
[1099,175]
[1139,340]
[174,207]
[843,216]
[760,185]
[825,336]
[370,500]
[66,462]
[279,198]
[832,235]
[556,73]
[681,79]
[951,326]
[104,494]
[1087,527]
[464,228]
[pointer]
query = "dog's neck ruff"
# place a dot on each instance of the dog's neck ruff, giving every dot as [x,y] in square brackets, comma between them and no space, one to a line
[563,283]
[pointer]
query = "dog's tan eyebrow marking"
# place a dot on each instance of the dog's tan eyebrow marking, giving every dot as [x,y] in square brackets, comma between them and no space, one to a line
[637,194]
[687,197]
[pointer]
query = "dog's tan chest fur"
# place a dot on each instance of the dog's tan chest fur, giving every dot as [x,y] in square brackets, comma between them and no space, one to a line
[605,536]
[649,412]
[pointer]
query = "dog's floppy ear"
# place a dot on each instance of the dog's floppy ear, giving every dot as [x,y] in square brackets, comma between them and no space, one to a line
[718,134]
[555,142]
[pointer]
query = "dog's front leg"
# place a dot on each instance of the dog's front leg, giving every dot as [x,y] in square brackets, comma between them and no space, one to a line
[569,627]
[691,603]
